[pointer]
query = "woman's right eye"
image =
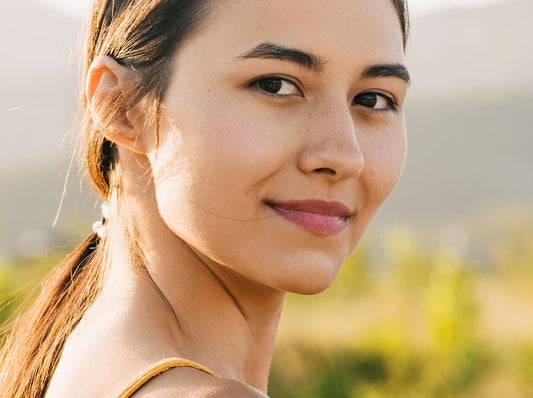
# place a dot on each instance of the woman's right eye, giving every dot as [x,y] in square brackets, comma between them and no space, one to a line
[277,86]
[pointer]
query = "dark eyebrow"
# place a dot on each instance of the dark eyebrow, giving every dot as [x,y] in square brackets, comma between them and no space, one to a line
[275,51]
[386,70]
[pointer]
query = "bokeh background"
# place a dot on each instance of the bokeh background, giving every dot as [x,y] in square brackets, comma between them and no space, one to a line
[437,301]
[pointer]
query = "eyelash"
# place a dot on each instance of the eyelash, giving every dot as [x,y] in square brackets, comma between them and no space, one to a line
[392,105]
[256,84]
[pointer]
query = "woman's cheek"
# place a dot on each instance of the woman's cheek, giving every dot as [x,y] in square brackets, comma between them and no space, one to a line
[384,164]
[245,141]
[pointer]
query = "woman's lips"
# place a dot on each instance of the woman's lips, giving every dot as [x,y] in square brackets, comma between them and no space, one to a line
[318,216]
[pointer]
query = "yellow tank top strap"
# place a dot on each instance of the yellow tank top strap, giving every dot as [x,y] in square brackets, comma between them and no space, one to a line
[157,369]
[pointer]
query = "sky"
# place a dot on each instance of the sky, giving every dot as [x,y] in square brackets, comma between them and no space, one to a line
[78,8]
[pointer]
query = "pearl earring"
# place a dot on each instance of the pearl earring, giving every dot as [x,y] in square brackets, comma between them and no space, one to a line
[100,227]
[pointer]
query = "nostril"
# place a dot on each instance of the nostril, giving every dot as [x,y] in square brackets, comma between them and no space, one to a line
[326,170]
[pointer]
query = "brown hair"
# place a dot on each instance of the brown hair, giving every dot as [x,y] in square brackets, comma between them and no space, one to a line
[142,35]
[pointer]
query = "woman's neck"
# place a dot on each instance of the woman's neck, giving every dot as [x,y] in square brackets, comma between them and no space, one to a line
[214,315]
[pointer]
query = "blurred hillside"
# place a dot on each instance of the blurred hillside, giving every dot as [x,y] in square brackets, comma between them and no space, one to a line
[38,95]
[482,52]
[469,120]
[38,105]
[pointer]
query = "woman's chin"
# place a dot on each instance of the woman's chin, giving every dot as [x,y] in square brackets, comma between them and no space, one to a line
[307,288]
[310,278]
[310,289]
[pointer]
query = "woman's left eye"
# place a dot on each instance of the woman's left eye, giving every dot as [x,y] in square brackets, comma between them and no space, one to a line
[376,101]
[277,86]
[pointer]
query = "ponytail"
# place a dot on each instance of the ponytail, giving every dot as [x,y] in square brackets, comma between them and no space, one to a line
[144,36]
[35,341]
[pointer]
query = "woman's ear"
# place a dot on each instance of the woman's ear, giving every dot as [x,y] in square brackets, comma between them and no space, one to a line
[106,83]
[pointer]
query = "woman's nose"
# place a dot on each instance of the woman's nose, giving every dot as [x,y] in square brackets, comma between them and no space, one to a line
[332,148]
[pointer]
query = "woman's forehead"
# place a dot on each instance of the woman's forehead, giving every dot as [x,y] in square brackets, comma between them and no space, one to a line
[328,29]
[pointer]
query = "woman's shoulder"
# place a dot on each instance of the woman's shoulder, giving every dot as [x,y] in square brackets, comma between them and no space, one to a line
[192,383]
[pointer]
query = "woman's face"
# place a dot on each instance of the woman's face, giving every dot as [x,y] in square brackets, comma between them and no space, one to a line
[282,133]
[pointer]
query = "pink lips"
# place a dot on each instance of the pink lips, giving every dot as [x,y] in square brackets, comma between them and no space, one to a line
[318,216]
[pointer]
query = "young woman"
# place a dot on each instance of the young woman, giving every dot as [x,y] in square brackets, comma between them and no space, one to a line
[242,148]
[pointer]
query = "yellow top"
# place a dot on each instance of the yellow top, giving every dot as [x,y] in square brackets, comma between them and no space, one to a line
[157,369]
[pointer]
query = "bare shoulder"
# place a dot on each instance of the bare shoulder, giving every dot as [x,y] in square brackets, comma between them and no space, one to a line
[192,383]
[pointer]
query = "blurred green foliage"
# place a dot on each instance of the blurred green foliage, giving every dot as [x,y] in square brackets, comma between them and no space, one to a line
[404,319]
[416,321]
[19,282]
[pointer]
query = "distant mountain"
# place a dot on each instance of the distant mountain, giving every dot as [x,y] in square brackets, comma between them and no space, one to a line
[482,51]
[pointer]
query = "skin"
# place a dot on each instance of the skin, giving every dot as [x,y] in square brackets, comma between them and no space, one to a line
[219,255]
